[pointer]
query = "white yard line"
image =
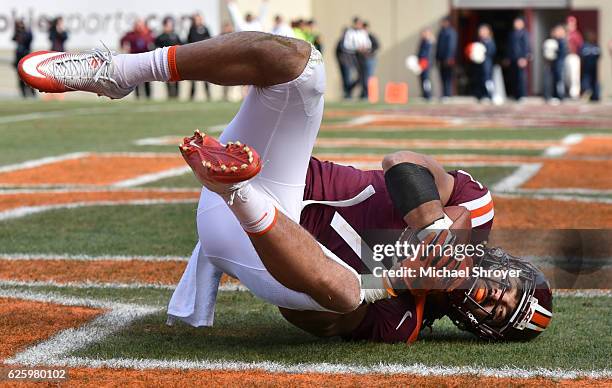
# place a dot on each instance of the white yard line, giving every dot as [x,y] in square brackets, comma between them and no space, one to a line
[224,287]
[324,368]
[51,351]
[159,141]
[42,256]
[42,161]
[566,143]
[53,114]
[517,178]
[29,210]
[55,351]
[97,110]
[148,178]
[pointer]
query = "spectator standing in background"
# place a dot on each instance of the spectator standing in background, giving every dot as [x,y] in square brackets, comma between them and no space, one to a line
[57,34]
[485,86]
[572,60]
[137,41]
[22,36]
[424,56]
[357,44]
[345,63]
[446,51]
[519,53]
[166,39]
[197,32]
[281,28]
[556,65]
[298,26]
[590,53]
[249,22]
[370,59]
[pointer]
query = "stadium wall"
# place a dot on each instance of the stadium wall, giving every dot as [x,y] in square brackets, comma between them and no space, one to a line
[396,23]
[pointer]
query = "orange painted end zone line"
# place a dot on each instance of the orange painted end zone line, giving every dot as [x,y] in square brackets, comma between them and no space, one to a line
[26,322]
[91,169]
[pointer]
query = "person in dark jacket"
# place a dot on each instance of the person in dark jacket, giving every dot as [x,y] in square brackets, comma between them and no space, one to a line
[57,34]
[519,53]
[446,50]
[197,32]
[589,54]
[345,63]
[424,56]
[485,84]
[22,36]
[169,38]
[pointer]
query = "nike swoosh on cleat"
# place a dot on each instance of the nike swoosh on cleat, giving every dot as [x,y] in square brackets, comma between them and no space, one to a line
[30,65]
[194,144]
[408,314]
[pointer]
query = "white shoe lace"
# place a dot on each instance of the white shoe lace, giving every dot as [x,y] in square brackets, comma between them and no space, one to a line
[77,67]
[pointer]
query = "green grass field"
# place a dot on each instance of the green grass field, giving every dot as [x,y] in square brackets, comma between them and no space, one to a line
[246,328]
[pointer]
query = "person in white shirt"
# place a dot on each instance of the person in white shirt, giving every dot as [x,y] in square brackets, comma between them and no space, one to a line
[357,44]
[281,28]
[249,22]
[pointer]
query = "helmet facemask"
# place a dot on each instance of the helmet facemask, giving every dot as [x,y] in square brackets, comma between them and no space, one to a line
[503,308]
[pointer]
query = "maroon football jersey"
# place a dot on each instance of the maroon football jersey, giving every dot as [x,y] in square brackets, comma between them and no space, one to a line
[390,320]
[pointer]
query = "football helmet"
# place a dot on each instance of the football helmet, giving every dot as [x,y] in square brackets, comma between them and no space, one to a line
[470,307]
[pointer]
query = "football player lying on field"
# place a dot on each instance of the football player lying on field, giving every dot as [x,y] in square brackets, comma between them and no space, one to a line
[249,217]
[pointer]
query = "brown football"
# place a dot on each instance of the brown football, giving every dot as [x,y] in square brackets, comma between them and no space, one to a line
[462,225]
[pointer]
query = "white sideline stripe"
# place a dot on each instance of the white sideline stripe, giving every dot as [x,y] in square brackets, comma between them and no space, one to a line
[518,177]
[43,161]
[148,178]
[44,256]
[227,286]
[323,368]
[29,210]
[555,197]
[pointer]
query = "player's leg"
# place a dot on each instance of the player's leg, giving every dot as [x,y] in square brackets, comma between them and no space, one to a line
[289,253]
[248,58]
[280,122]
